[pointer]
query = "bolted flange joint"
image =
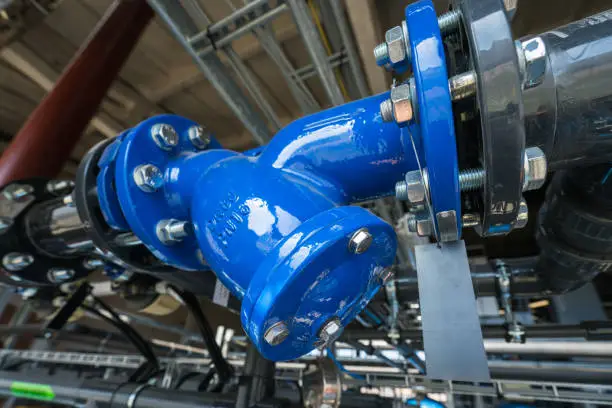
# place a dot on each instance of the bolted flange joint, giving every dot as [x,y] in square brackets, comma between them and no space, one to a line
[390,55]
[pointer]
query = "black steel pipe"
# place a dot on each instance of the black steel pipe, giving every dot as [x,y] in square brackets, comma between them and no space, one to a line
[569,114]
[522,286]
[58,389]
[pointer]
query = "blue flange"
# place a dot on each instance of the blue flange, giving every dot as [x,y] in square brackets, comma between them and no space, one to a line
[435,114]
[126,206]
[105,183]
[311,277]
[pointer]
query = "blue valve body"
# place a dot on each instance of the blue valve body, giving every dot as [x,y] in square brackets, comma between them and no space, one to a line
[274,223]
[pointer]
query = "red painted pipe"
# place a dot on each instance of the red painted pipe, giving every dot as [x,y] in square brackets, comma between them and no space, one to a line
[47,138]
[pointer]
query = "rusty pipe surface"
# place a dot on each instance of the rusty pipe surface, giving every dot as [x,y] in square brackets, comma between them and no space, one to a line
[44,143]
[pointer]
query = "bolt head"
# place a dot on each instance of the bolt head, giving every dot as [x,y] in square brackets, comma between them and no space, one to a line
[396,45]
[28,293]
[523,215]
[148,177]
[93,263]
[60,187]
[68,200]
[171,231]
[535,168]
[415,187]
[424,227]
[60,275]
[534,52]
[16,261]
[165,136]
[360,241]
[17,192]
[329,332]
[402,103]
[276,334]
[199,137]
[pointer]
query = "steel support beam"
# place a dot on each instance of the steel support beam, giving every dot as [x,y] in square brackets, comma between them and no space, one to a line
[315,48]
[304,98]
[45,141]
[249,81]
[183,27]
[350,47]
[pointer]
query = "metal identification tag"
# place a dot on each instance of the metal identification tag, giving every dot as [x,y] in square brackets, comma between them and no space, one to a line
[452,336]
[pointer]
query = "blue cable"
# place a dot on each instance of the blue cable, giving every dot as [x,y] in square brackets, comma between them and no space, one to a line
[341,367]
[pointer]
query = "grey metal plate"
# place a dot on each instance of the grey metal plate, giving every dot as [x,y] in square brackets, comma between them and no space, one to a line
[451,330]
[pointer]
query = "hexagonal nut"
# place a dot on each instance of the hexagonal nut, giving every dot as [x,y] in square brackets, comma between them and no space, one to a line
[396,44]
[415,188]
[534,53]
[330,331]
[170,231]
[360,241]
[199,137]
[402,103]
[276,334]
[523,215]
[17,192]
[331,328]
[148,177]
[164,136]
[535,168]
[423,227]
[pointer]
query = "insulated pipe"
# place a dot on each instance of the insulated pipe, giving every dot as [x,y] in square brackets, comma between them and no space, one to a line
[45,141]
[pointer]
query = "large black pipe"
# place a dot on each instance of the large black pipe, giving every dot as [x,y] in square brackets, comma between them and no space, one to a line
[569,114]
[59,389]
[522,286]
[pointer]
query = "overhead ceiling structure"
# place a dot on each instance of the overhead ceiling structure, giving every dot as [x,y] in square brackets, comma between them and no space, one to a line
[267,52]
[267,62]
